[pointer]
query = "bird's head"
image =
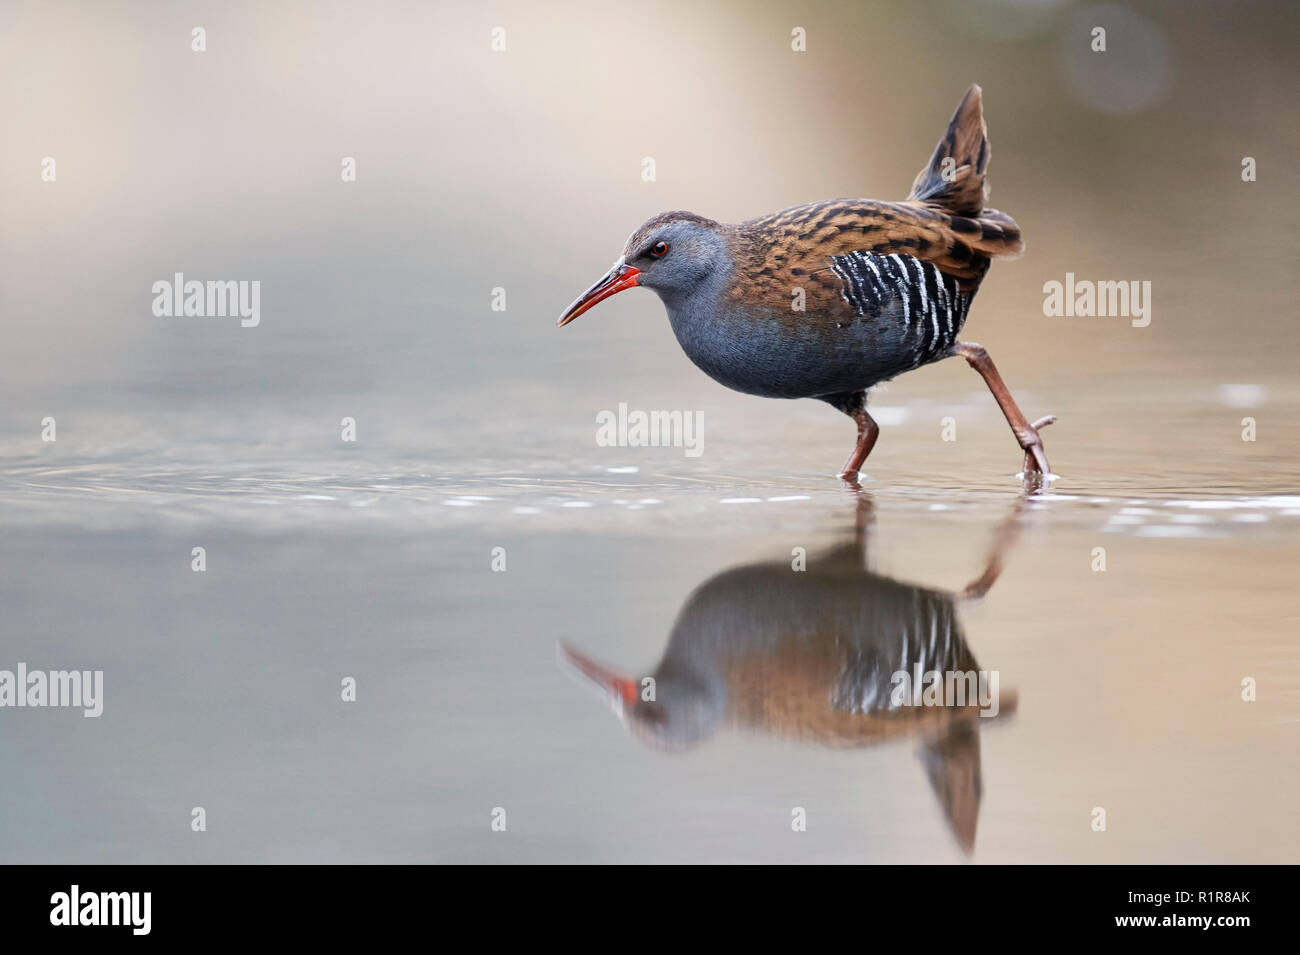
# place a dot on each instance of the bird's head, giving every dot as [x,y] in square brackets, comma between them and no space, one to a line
[674,253]
[684,709]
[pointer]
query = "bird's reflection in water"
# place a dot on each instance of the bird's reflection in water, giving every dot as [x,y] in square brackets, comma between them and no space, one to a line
[814,656]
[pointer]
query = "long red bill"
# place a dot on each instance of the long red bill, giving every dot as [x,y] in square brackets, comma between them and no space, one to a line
[619,278]
[617,688]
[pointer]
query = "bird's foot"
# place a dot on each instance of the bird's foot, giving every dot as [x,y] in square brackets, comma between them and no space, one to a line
[1035,457]
[850,480]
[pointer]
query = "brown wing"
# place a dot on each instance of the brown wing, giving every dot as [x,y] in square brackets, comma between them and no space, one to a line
[943,221]
[793,248]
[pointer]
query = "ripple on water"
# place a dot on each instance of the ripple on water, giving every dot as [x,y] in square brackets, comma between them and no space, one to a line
[134,492]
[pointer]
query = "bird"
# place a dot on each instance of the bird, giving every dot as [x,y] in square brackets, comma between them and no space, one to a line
[827,299]
[813,658]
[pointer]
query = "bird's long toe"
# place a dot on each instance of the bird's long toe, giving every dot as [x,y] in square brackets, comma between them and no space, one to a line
[1032,443]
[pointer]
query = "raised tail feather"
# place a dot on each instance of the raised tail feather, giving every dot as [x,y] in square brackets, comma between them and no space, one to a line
[953,181]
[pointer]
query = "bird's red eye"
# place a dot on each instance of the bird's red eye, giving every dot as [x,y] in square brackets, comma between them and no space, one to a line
[660,250]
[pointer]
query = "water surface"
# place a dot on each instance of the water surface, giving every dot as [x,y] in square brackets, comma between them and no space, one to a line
[1121,688]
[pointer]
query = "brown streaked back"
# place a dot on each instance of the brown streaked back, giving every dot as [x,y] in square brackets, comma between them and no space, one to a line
[793,247]
[942,221]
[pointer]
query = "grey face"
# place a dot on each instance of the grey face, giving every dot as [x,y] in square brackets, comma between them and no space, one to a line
[689,704]
[680,255]
[689,709]
[676,257]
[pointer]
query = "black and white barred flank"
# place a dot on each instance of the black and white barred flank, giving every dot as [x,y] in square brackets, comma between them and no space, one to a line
[929,638]
[933,309]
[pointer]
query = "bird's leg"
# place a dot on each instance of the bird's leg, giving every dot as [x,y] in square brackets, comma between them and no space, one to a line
[1026,433]
[868,431]
[1003,538]
[864,518]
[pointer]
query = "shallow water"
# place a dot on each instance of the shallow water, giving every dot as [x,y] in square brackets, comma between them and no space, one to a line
[1120,688]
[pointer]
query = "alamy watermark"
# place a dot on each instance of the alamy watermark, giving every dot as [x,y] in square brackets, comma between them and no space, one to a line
[37,688]
[1084,298]
[179,298]
[946,688]
[651,429]
[128,909]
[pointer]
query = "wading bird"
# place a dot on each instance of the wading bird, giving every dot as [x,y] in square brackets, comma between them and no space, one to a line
[825,300]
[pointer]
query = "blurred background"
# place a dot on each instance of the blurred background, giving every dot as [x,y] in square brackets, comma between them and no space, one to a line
[521,169]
